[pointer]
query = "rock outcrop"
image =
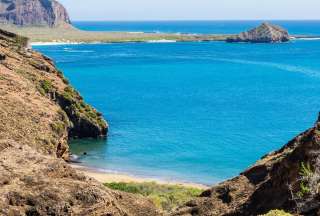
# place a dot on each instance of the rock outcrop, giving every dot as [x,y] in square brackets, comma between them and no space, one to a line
[265,33]
[33,13]
[37,105]
[35,184]
[287,179]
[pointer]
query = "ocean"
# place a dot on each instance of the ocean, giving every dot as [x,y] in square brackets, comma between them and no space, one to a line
[192,111]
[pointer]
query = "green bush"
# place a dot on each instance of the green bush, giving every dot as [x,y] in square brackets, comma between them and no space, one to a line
[277,213]
[45,87]
[165,197]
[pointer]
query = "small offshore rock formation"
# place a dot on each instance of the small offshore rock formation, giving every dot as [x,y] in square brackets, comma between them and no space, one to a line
[265,33]
[33,13]
[287,179]
[37,105]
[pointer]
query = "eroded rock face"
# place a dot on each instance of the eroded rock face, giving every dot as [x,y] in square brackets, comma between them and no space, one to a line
[287,179]
[265,33]
[37,105]
[33,13]
[34,184]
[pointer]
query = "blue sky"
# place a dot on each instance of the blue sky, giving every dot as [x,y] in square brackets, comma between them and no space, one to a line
[192,9]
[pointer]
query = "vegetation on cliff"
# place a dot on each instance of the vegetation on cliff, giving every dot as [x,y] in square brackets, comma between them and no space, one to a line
[277,213]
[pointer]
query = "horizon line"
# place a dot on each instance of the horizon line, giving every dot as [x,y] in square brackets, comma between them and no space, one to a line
[186,20]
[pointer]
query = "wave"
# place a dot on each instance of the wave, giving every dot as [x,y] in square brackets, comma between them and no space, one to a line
[122,55]
[285,67]
[138,32]
[315,38]
[79,51]
[54,43]
[161,41]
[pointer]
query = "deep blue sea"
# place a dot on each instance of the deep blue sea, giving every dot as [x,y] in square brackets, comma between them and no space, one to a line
[197,27]
[196,111]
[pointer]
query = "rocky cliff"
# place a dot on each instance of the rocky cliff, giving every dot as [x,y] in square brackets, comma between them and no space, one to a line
[265,33]
[33,13]
[287,179]
[37,104]
[39,111]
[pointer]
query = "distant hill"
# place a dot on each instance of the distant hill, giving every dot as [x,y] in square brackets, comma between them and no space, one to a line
[33,13]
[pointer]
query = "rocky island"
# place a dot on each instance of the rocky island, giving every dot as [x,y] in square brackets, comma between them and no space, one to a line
[265,33]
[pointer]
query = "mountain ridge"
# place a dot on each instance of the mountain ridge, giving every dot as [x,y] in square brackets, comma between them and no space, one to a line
[33,13]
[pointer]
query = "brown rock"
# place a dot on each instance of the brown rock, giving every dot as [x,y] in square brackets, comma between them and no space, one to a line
[35,184]
[33,13]
[37,105]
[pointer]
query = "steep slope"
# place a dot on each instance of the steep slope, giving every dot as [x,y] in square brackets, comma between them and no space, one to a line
[33,13]
[39,111]
[265,33]
[37,105]
[287,179]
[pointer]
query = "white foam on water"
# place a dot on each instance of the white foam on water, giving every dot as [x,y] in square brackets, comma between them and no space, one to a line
[290,68]
[315,38]
[53,43]
[161,41]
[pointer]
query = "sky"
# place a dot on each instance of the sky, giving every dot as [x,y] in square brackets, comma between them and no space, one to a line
[192,9]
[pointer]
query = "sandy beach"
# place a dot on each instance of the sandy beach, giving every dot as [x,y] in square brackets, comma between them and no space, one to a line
[108,177]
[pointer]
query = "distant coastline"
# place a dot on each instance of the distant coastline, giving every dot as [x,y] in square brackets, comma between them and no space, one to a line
[70,34]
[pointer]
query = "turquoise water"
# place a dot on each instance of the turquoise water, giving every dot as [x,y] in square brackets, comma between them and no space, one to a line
[199,112]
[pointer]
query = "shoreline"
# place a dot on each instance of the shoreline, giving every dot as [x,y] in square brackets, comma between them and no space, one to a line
[161,41]
[109,177]
[61,43]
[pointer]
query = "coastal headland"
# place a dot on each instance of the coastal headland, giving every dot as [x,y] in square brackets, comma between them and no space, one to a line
[70,34]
